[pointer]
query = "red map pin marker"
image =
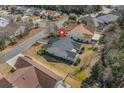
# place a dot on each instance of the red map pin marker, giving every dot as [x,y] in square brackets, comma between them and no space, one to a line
[62,32]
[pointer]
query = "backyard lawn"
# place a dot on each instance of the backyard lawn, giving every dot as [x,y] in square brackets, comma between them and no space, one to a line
[81,75]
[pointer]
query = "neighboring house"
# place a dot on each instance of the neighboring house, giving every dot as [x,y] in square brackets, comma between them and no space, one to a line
[105,10]
[21,9]
[81,33]
[42,12]
[22,30]
[107,18]
[38,21]
[9,30]
[30,11]
[29,74]
[38,12]
[50,14]
[117,7]
[94,22]
[65,49]
[3,22]
[76,36]
[26,18]
[33,11]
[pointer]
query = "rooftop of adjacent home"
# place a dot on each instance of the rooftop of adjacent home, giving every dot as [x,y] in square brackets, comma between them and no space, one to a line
[82,30]
[29,74]
[107,18]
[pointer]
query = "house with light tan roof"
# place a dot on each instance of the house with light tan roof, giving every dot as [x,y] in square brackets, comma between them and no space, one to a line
[82,33]
[50,14]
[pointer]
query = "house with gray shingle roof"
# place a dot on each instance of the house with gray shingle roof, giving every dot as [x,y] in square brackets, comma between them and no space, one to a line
[65,49]
[21,9]
[107,18]
[30,11]
[37,11]
[76,36]
[21,30]
[3,22]
[94,22]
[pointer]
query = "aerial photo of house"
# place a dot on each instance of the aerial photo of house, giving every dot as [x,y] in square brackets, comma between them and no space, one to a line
[61,46]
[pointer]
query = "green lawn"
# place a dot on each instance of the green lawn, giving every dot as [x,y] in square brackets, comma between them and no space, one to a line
[87,47]
[81,75]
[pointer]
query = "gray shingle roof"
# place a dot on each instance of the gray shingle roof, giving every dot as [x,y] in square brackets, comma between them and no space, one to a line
[107,18]
[65,43]
[64,48]
[93,22]
[20,30]
[75,35]
[3,22]
[71,54]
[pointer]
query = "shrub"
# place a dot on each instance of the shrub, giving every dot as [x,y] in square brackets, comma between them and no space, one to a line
[18,18]
[77,61]
[40,51]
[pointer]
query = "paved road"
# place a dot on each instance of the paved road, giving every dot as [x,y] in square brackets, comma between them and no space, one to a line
[20,48]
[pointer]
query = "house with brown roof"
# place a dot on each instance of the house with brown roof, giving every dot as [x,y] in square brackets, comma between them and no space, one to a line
[23,78]
[29,74]
[4,83]
[82,33]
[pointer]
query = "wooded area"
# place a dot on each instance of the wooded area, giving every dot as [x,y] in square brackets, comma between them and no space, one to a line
[109,71]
